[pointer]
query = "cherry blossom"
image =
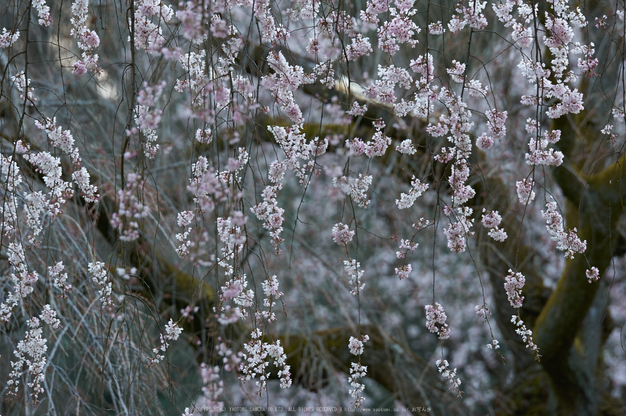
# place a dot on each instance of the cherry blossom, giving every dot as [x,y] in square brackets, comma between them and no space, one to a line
[436,320]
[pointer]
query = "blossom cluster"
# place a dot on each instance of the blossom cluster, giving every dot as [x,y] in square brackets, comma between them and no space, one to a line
[456,126]
[209,188]
[593,274]
[148,35]
[495,127]
[188,312]
[12,180]
[567,241]
[184,219]
[406,147]
[64,141]
[459,174]
[258,356]
[377,146]
[270,31]
[424,66]
[342,234]
[514,283]
[404,247]
[355,187]
[8,38]
[99,276]
[383,89]
[39,205]
[539,152]
[190,18]
[172,332]
[359,46]
[483,312]
[271,292]
[60,280]
[235,289]
[130,209]
[401,29]
[60,190]
[22,279]
[450,375]
[457,72]
[589,63]
[205,186]
[492,221]
[495,345]
[457,232]
[23,85]
[293,143]
[470,15]
[356,345]
[525,193]
[212,386]
[404,271]
[147,118]
[436,320]
[88,39]
[31,351]
[231,232]
[526,334]
[522,32]
[553,80]
[285,80]
[43,11]
[268,211]
[417,189]
[33,346]
[352,268]
[357,371]
[196,81]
